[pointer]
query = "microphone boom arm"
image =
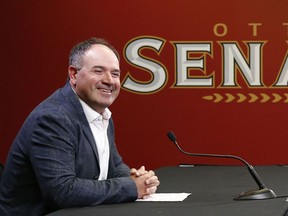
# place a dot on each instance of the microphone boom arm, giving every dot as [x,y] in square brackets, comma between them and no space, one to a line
[262,193]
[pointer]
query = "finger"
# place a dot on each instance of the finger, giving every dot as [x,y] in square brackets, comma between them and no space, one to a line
[154,184]
[151,172]
[133,171]
[152,180]
[141,171]
[151,190]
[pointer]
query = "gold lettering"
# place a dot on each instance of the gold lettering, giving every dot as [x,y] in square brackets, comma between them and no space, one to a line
[223,28]
[254,28]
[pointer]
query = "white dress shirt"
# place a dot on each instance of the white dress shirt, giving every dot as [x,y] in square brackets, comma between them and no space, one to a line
[99,124]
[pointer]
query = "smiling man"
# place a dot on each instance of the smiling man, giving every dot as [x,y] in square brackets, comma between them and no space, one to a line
[96,77]
[65,155]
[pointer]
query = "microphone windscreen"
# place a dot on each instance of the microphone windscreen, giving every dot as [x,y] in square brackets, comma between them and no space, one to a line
[171,136]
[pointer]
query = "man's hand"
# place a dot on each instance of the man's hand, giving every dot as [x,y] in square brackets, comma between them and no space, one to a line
[138,172]
[146,181]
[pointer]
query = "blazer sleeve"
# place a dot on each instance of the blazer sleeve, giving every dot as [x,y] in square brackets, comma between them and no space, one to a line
[54,150]
[116,162]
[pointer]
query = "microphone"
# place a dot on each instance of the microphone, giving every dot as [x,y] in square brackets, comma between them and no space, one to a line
[262,193]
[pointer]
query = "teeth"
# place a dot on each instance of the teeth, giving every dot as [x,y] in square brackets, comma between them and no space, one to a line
[105,90]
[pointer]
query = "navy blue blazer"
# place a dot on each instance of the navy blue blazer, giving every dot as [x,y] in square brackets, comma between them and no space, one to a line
[53,162]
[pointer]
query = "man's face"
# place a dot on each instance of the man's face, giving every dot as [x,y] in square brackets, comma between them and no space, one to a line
[97,83]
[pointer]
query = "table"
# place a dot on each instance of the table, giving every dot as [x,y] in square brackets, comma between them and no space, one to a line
[213,189]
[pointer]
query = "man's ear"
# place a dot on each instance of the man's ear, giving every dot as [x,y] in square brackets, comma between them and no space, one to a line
[72,72]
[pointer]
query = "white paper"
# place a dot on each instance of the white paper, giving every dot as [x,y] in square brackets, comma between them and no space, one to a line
[166,197]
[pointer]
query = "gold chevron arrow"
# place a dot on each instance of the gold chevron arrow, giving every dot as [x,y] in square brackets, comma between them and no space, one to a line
[241,98]
[265,98]
[277,98]
[230,97]
[218,97]
[253,98]
[286,101]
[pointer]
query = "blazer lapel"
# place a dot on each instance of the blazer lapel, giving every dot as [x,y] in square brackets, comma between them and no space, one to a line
[72,97]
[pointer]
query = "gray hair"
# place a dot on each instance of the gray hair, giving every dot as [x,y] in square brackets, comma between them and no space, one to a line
[75,57]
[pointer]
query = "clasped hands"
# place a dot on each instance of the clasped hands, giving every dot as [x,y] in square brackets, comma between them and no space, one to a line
[146,181]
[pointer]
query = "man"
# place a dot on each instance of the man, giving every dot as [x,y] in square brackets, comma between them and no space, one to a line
[64,155]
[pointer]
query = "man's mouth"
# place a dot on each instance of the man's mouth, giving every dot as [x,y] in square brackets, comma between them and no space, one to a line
[105,90]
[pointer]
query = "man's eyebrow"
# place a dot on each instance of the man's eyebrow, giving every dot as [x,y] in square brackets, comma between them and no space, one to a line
[98,66]
[102,67]
[117,70]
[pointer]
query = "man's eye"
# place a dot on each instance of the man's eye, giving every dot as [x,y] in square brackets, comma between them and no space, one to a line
[116,74]
[97,71]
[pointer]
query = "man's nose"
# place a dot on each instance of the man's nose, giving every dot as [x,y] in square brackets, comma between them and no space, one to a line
[107,78]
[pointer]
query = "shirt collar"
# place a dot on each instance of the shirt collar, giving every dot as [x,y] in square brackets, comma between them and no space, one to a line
[91,114]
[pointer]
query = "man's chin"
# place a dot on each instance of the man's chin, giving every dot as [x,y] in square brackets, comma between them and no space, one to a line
[105,104]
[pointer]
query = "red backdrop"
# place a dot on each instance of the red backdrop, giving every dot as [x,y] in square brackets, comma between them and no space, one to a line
[241,115]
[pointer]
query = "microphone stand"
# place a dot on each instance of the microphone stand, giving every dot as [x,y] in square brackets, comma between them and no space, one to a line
[257,194]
